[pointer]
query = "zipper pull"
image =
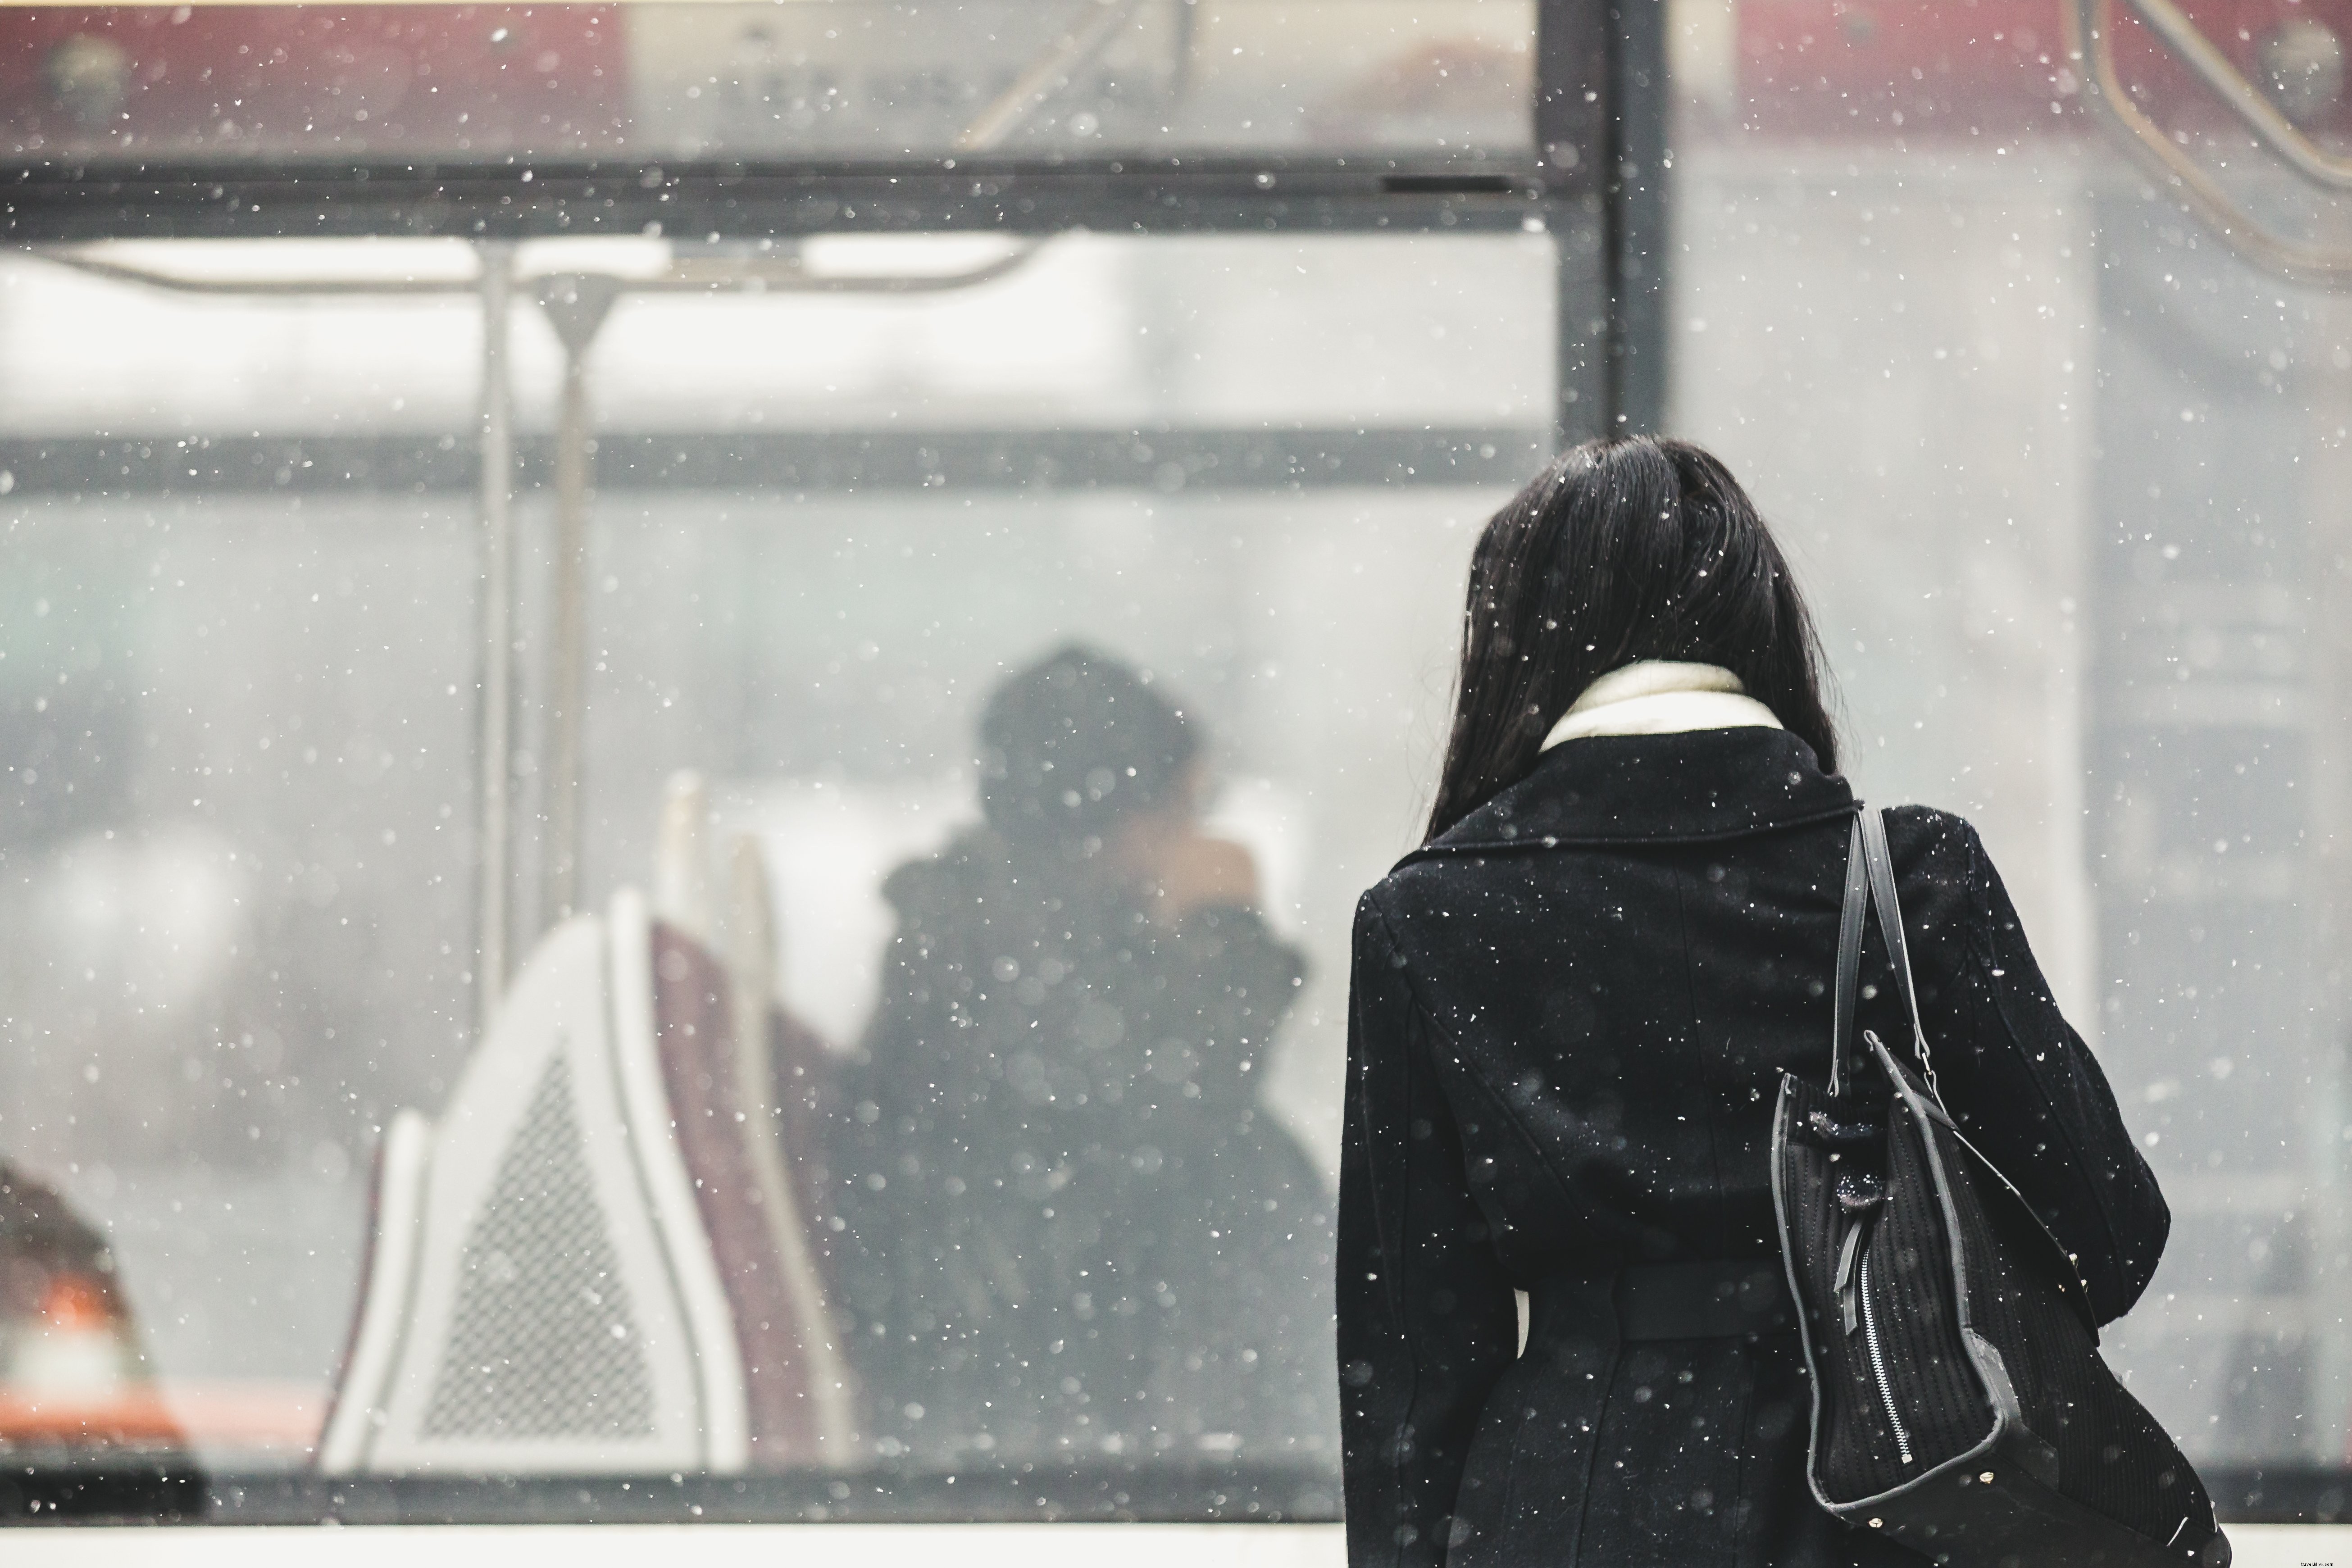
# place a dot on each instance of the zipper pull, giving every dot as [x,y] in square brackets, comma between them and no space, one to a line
[1849,1300]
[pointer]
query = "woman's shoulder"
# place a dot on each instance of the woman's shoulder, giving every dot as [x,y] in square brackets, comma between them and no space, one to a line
[1415,885]
[1945,877]
[1936,853]
[1929,842]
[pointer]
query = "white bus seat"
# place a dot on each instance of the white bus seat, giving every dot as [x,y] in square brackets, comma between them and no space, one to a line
[803,1410]
[792,1377]
[800,1074]
[774,1056]
[387,1267]
[543,1296]
[681,869]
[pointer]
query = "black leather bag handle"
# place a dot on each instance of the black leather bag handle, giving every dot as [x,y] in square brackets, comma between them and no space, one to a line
[1870,879]
[1849,960]
[1890,926]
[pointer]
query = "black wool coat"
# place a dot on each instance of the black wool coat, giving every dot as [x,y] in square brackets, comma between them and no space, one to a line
[1569,1021]
[1068,1226]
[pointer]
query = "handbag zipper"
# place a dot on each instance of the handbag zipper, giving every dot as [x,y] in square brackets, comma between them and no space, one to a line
[1878,1365]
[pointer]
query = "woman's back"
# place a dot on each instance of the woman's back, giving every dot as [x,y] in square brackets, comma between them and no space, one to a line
[1571,1014]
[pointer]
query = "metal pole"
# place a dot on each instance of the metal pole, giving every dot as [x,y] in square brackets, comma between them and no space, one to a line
[1574,100]
[494,836]
[567,651]
[1636,194]
[577,307]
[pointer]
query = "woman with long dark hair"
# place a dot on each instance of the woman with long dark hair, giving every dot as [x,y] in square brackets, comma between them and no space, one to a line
[1564,1332]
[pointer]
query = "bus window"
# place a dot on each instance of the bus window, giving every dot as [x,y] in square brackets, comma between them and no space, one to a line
[953,687]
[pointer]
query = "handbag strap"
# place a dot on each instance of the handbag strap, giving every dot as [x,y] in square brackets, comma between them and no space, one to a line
[1849,960]
[1870,879]
[1890,926]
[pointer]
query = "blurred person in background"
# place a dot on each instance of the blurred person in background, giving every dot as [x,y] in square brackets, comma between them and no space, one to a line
[1073,1229]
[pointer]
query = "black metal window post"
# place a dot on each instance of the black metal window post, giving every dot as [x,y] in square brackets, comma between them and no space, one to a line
[1636,193]
[1574,44]
[1601,133]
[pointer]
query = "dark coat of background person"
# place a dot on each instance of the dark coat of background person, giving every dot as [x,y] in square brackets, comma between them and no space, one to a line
[1571,1013]
[1072,1229]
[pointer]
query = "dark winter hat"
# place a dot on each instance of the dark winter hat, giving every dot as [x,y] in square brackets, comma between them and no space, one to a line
[1074,742]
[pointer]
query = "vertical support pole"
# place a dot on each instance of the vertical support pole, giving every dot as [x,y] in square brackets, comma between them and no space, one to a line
[1582,390]
[1574,97]
[494,833]
[567,647]
[577,307]
[1637,253]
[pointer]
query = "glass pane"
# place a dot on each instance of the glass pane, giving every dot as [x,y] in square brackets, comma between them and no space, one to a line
[842,1132]
[813,78]
[2065,472]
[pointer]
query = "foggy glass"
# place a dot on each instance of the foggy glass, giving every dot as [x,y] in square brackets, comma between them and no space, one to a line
[243,678]
[2064,475]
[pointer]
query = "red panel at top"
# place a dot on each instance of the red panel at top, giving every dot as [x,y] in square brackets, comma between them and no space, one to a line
[345,83]
[1936,68]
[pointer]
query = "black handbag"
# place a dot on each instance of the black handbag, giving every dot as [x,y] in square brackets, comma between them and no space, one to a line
[1960,1403]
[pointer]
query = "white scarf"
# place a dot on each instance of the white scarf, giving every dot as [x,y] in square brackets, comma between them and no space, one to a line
[1659,697]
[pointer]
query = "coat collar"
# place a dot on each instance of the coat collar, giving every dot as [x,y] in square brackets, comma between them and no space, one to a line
[1649,789]
[1660,697]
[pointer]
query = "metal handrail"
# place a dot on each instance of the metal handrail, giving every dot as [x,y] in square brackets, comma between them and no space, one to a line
[687,274]
[2093,42]
[1046,75]
[82,260]
[2253,105]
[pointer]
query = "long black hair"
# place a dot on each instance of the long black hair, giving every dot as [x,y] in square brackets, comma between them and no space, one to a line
[1629,548]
